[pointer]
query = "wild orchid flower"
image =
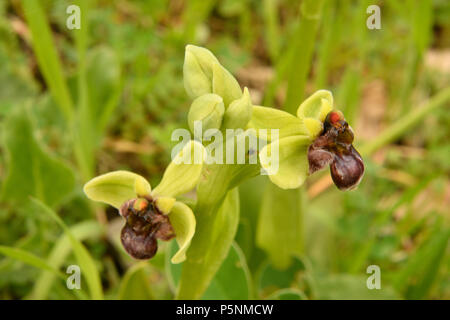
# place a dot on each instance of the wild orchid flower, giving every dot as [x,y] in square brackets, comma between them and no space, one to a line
[153,214]
[315,138]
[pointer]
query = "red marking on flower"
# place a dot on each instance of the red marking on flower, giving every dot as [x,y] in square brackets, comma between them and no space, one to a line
[335,117]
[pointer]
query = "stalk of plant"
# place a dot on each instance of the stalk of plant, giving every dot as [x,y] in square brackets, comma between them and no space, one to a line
[303,50]
[297,56]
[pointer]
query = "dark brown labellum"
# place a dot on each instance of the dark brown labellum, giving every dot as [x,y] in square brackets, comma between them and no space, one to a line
[144,224]
[334,147]
[138,245]
[347,169]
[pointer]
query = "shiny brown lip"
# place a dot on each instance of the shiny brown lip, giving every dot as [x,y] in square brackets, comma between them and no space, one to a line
[334,148]
[144,225]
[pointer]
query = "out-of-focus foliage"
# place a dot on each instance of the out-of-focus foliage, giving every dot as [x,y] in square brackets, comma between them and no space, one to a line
[124,80]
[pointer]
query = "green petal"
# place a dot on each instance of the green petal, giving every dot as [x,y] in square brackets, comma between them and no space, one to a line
[317,106]
[225,85]
[292,163]
[183,172]
[314,127]
[269,118]
[239,112]
[183,222]
[208,109]
[165,204]
[114,188]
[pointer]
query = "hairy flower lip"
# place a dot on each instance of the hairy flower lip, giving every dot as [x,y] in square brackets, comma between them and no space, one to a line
[144,223]
[139,246]
[334,147]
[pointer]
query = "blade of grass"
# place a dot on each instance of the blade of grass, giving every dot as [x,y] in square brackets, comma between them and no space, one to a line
[422,27]
[418,275]
[47,56]
[34,261]
[83,257]
[30,259]
[303,51]
[405,123]
[331,32]
[62,248]
[83,132]
[272,32]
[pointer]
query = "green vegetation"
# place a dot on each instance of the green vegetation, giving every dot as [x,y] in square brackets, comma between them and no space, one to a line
[75,104]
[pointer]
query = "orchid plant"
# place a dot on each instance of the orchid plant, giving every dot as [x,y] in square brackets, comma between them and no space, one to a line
[316,137]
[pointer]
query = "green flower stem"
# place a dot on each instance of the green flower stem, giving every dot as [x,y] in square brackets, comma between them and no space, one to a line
[197,271]
[406,122]
[303,50]
[217,215]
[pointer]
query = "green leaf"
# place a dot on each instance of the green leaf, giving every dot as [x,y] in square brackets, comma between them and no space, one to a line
[420,272]
[280,226]
[135,284]
[84,259]
[291,168]
[212,246]
[29,258]
[31,170]
[269,118]
[271,278]
[232,280]
[183,222]
[183,172]
[287,294]
[47,56]
[117,187]
[350,287]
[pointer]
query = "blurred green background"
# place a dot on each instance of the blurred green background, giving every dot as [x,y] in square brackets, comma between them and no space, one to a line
[77,103]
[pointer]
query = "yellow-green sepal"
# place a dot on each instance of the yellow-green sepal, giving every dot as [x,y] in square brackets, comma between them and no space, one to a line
[270,118]
[117,187]
[183,172]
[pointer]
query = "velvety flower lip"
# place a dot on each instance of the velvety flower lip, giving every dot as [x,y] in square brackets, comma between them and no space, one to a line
[334,147]
[144,223]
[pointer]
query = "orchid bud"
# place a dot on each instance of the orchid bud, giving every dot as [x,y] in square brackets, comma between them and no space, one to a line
[198,71]
[239,112]
[209,109]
